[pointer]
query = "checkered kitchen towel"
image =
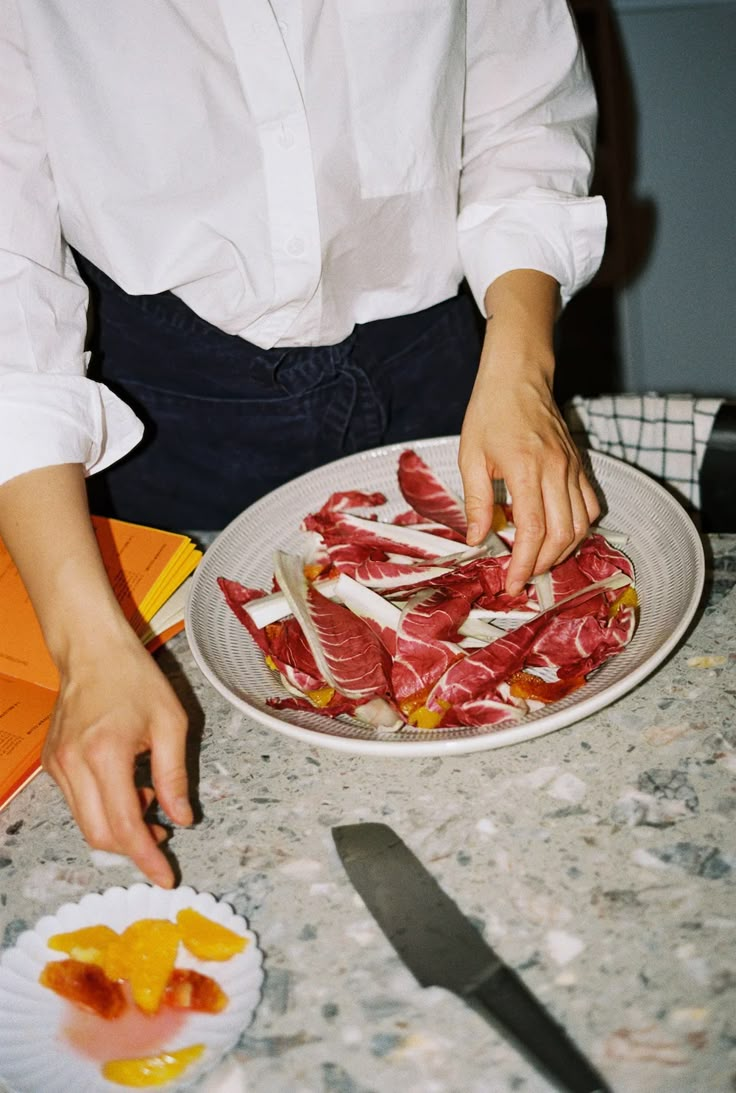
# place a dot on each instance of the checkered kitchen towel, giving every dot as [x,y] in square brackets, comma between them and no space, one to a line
[665,435]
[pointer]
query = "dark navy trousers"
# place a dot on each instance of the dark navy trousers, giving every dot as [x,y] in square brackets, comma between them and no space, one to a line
[226,421]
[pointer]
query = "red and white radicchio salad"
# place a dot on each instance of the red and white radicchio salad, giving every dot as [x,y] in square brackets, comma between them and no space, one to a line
[402,625]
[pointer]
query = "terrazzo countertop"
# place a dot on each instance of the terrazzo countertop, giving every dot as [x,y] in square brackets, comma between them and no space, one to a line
[599,860]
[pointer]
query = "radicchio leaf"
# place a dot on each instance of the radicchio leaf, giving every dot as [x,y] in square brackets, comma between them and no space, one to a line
[429,496]
[349,655]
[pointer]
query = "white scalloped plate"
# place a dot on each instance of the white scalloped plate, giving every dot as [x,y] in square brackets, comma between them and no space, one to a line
[662,543]
[36,1055]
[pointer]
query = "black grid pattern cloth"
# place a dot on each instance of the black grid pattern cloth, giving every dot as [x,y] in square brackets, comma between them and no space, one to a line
[664,435]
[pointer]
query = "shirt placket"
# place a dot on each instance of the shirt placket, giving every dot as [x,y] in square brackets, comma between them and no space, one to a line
[276,105]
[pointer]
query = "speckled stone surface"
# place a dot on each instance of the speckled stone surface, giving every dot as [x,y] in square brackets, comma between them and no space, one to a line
[599,860]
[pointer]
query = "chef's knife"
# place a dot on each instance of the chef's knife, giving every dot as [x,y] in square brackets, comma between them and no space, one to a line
[442,948]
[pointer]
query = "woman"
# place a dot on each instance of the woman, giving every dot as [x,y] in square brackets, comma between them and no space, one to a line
[276,204]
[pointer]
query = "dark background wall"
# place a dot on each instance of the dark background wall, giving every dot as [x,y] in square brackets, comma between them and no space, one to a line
[661,315]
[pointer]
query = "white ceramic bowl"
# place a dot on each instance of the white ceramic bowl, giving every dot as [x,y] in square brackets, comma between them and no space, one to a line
[662,543]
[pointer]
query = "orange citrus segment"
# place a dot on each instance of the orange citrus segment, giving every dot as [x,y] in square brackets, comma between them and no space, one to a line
[188,990]
[153,1069]
[627,598]
[527,685]
[322,696]
[206,939]
[86,944]
[115,959]
[424,718]
[144,954]
[313,571]
[417,713]
[86,985]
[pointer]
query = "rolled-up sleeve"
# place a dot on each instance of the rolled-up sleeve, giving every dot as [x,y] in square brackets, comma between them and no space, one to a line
[529,131]
[50,412]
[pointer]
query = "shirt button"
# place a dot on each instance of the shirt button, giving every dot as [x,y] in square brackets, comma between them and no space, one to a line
[286,137]
[295,245]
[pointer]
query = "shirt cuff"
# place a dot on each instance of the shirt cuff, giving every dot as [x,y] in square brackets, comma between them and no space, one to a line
[564,238]
[48,418]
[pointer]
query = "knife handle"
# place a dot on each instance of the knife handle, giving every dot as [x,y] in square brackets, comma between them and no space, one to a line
[505,1001]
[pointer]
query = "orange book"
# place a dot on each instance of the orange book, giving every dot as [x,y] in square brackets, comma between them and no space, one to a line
[147,568]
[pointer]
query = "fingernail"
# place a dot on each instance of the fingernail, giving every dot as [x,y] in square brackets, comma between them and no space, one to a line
[473,533]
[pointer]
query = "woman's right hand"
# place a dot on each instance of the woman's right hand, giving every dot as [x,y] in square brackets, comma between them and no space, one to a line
[114,705]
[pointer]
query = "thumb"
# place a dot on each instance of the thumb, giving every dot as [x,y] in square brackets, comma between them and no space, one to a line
[168,768]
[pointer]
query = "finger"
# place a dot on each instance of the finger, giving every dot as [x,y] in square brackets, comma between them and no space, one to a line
[159,834]
[573,530]
[531,528]
[168,767]
[112,770]
[65,761]
[55,761]
[592,504]
[580,516]
[90,815]
[559,535]
[147,798]
[479,497]
[89,812]
[56,771]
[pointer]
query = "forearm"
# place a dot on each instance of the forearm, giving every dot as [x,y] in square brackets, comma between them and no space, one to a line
[113,702]
[45,524]
[522,306]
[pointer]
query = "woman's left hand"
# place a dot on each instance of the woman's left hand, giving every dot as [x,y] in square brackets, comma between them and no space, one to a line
[514,430]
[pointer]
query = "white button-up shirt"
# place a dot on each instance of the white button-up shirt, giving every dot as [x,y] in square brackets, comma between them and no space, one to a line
[286,168]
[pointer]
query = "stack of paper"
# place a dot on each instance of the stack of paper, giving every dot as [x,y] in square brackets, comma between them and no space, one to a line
[147,568]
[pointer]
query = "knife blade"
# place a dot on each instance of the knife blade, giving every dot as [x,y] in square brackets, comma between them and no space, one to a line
[443,949]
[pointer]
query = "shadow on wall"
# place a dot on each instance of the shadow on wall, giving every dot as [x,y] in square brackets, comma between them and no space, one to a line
[588,347]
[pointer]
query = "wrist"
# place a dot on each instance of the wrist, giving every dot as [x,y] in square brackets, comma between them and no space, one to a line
[521,308]
[82,638]
[79,612]
[516,357]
